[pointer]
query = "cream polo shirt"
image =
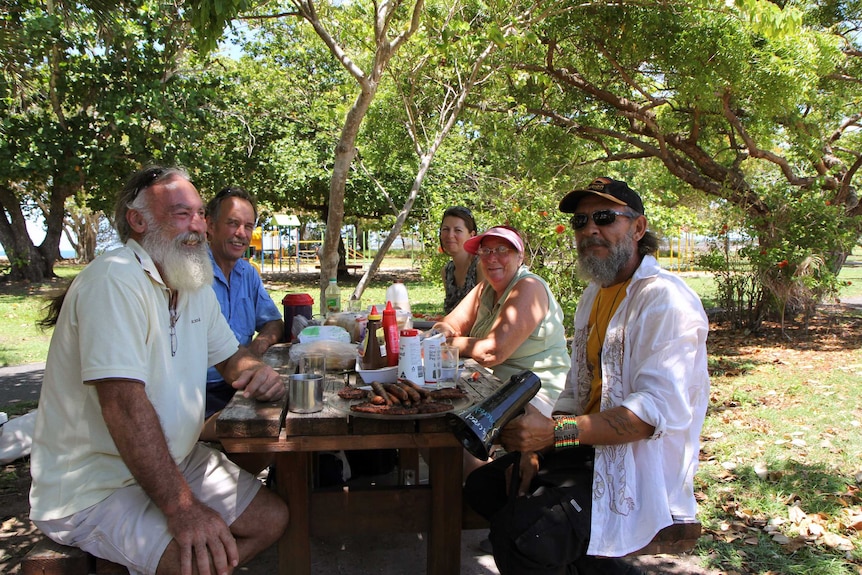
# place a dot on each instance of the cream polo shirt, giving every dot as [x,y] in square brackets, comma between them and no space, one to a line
[115,323]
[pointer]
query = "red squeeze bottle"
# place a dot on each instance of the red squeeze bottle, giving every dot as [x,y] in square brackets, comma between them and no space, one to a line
[390,334]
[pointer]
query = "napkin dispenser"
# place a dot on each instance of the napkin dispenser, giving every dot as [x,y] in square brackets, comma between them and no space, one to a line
[477,427]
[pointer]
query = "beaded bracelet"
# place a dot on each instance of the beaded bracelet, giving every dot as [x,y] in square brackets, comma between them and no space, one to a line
[566,431]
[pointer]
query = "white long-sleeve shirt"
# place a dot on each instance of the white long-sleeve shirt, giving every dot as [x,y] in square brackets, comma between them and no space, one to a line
[654,362]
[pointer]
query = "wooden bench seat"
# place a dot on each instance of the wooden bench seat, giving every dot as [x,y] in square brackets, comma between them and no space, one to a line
[50,558]
[680,537]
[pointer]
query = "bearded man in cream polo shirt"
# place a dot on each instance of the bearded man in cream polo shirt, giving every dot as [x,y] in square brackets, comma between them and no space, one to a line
[117,469]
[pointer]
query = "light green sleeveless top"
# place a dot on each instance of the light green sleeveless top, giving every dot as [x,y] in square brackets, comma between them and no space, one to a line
[544,352]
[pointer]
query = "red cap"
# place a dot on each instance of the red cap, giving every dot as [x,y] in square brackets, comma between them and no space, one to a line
[511,235]
[297,299]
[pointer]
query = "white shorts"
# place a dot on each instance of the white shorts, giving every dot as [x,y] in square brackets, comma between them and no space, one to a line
[128,528]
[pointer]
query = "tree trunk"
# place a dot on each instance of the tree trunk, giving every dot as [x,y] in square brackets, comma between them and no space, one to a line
[26,261]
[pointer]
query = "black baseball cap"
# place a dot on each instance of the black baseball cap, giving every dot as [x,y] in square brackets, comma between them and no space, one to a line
[613,190]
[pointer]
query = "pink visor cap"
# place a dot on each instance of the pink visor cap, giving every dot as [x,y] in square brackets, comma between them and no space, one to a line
[471,246]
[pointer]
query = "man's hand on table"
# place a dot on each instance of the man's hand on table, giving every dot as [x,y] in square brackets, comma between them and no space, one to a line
[247,373]
[202,535]
[262,383]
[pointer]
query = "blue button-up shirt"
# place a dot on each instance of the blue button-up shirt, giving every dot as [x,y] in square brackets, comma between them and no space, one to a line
[247,307]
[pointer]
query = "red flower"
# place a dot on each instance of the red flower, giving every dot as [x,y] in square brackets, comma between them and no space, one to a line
[560,228]
[782,264]
[828,202]
[543,213]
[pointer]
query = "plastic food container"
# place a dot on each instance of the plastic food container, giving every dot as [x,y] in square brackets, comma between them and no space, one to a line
[382,375]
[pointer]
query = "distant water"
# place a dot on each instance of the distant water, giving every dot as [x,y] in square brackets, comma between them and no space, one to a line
[69,254]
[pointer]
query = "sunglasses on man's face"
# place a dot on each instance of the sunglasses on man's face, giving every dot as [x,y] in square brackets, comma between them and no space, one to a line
[599,217]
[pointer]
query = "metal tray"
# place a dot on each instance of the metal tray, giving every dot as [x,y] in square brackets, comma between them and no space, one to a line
[343,405]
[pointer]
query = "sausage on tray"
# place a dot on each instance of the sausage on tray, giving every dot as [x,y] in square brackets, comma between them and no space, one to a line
[423,393]
[411,392]
[377,387]
[398,392]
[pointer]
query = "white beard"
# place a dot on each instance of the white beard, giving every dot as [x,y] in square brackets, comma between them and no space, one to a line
[183,260]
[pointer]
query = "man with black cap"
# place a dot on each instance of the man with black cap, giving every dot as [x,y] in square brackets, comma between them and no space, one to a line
[615,463]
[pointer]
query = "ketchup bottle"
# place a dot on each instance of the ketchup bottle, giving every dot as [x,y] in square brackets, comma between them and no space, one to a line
[390,334]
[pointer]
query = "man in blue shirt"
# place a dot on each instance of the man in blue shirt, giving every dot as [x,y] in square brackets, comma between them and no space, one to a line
[245,303]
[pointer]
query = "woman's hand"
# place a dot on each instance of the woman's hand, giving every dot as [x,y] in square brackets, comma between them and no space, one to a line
[447,330]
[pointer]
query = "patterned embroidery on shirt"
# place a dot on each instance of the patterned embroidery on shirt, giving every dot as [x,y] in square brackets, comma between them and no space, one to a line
[610,471]
[584,375]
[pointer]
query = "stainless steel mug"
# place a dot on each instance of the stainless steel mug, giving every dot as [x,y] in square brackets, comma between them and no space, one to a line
[305,392]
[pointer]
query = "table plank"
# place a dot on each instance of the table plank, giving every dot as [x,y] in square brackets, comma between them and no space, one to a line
[246,417]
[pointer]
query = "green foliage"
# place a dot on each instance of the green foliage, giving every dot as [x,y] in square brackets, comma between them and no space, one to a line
[782,264]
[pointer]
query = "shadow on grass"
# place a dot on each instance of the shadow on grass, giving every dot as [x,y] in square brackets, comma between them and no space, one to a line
[736,539]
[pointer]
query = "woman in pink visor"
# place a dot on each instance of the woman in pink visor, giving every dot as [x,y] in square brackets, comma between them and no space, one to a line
[510,321]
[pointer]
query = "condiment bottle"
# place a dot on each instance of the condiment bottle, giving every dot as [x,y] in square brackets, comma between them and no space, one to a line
[410,357]
[390,334]
[332,298]
[372,358]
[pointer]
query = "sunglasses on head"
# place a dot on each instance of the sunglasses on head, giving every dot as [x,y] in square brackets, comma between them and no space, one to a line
[147,179]
[599,217]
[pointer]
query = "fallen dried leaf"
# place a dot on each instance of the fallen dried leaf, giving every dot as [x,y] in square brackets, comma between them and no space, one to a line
[837,542]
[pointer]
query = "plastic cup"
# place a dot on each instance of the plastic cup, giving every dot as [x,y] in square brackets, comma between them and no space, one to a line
[448,365]
[314,364]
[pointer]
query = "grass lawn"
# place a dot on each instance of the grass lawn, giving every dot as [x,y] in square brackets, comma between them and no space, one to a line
[781,458]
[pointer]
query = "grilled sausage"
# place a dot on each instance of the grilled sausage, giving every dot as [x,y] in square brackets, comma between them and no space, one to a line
[398,392]
[411,392]
[378,389]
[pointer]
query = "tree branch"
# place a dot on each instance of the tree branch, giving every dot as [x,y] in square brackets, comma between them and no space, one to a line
[309,14]
[757,152]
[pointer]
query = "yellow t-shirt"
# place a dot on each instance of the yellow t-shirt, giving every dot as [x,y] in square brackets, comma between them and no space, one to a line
[605,305]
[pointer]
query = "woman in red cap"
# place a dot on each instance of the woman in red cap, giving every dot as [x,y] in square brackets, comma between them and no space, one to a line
[510,321]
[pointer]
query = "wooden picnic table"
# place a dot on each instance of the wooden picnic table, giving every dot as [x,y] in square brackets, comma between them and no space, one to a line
[249,426]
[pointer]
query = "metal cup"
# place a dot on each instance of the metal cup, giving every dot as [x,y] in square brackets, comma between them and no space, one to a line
[305,392]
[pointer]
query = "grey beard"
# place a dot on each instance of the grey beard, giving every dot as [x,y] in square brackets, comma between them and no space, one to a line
[184,267]
[604,270]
